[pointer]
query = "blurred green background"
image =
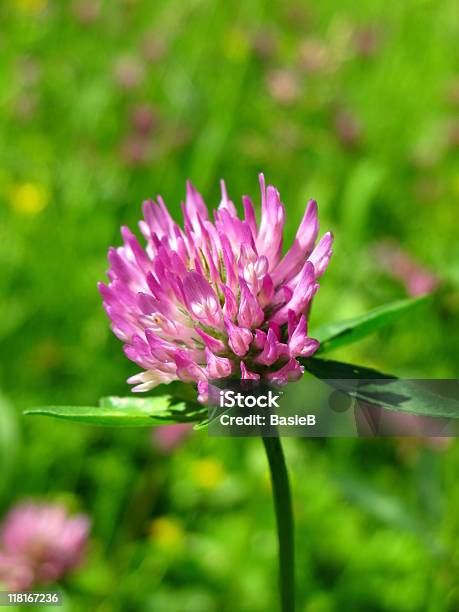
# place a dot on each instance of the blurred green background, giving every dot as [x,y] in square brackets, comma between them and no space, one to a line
[104,104]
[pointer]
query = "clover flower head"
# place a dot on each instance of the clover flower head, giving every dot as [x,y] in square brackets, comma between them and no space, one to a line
[39,543]
[216,299]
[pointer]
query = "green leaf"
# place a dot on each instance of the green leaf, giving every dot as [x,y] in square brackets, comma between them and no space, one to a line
[384,390]
[9,443]
[179,411]
[338,334]
[127,412]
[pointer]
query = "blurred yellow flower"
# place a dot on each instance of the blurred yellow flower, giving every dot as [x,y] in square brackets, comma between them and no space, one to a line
[207,473]
[167,532]
[29,198]
[236,45]
[31,7]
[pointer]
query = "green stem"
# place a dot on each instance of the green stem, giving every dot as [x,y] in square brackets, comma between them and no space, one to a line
[284,519]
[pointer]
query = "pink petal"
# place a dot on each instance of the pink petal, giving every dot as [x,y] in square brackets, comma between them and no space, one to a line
[302,246]
[239,338]
[303,293]
[322,253]
[300,344]
[217,367]
[247,374]
[290,372]
[250,314]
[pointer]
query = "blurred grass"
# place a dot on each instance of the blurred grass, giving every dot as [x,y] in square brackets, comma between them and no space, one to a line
[354,106]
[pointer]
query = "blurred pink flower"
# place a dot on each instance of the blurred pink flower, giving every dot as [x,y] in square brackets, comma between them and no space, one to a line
[168,437]
[26,106]
[30,70]
[217,299]
[299,16]
[398,264]
[143,118]
[283,85]
[16,574]
[314,55]
[265,44]
[39,543]
[136,150]
[348,128]
[153,47]
[86,11]
[129,71]
[367,41]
